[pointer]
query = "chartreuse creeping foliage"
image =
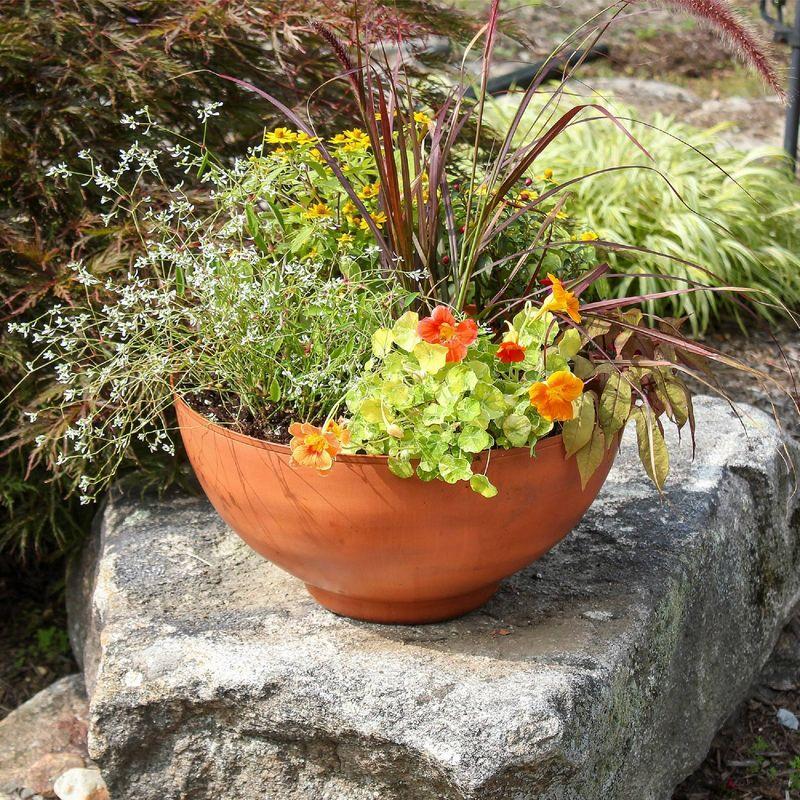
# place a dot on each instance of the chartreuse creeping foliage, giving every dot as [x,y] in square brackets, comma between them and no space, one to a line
[432,413]
[432,417]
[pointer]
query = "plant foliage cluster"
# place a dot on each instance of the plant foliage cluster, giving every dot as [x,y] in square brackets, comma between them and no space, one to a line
[406,215]
[262,296]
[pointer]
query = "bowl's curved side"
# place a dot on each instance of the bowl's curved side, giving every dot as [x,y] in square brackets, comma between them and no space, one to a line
[360,531]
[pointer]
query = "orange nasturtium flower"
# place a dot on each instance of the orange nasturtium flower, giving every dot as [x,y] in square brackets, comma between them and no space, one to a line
[553,399]
[562,300]
[316,447]
[510,352]
[441,328]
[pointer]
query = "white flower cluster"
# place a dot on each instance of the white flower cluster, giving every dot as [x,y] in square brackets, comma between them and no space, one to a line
[202,309]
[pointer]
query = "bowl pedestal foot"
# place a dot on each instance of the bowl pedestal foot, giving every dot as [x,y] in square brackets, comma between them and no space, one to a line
[403,613]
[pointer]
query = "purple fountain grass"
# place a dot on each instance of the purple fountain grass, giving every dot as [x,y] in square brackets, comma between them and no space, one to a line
[736,31]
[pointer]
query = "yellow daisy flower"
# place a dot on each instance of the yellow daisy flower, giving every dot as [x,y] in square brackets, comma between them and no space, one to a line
[280,136]
[303,138]
[379,219]
[369,191]
[317,211]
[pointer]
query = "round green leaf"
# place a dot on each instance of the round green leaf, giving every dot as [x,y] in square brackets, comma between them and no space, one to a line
[402,469]
[517,429]
[474,439]
[431,357]
[482,485]
[382,342]
[405,331]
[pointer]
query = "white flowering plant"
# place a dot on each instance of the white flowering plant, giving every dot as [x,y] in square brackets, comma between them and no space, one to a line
[243,332]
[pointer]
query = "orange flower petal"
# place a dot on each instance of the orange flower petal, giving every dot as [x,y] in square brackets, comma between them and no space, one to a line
[553,399]
[443,314]
[467,331]
[510,352]
[456,350]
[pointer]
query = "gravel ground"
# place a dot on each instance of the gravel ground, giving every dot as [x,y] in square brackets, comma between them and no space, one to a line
[646,39]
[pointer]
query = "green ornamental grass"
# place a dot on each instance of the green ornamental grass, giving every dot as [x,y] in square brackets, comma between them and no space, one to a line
[733,214]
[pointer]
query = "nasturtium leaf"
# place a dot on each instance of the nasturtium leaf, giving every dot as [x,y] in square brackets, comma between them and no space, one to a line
[433,414]
[274,390]
[578,430]
[482,485]
[446,397]
[523,406]
[615,405]
[460,378]
[517,429]
[590,456]
[652,449]
[474,439]
[541,426]
[405,331]
[431,357]
[425,474]
[396,394]
[468,409]
[570,344]
[491,399]
[446,436]
[395,365]
[371,410]
[555,362]
[481,370]
[535,331]
[403,469]
[454,468]
[382,342]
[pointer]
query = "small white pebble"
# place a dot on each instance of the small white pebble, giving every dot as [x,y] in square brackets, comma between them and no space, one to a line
[81,784]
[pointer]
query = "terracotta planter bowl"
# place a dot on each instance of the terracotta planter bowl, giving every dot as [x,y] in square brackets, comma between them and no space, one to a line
[374,547]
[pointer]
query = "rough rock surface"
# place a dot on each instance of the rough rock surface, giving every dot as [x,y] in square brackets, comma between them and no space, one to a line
[44,738]
[602,671]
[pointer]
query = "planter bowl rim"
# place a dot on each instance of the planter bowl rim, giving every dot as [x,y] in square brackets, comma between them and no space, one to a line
[357,458]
